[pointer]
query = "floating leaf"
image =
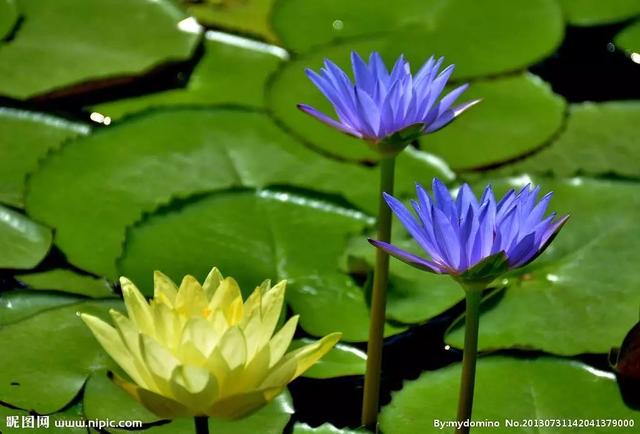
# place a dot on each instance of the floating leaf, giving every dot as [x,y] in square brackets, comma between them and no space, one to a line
[538,390]
[66,42]
[95,187]
[103,400]
[596,12]
[27,137]
[420,28]
[68,281]
[23,243]
[516,115]
[599,139]
[8,17]
[629,38]
[47,374]
[580,296]
[327,428]
[254,236]
[233,70]
[341,361]
[20,304]
[243,16]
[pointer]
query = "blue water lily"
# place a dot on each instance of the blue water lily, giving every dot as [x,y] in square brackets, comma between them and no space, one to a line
[384,106]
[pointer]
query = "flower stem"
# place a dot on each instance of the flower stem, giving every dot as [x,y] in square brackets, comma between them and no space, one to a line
[202,424]
[378,301]
[467,381]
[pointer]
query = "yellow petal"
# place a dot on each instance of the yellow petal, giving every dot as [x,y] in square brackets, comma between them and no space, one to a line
[191,300]
[233,347]
[158,359]
[238,406]
[253,304]
[162,406]
[202,333]
[164,289]
[309,354]
[190,355]
[218,366]
[212,282]
[226,298]
[167,324]
[110,340]
[137,307]
[251,376]
[195,388]
[281,340]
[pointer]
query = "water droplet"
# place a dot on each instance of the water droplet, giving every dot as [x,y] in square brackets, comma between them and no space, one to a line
[338,25]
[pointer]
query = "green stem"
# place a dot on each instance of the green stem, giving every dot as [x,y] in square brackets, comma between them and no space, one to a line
[202,424]
[467,381]
[378,302]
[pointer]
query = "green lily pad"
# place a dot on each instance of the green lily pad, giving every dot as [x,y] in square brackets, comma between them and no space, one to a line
[68,281]
[233,70]
[580,296]
[8,17]
[47,374]
[517,115]
[19,304]
[68,42]
[629,38]
[238,16]
[537,390]
[27,138]
[104,400]
[95,187]
[23,242]
[599,139]
[254,236]
[419,29]
[41,424]
[341,361]
[596,12]
[327,428]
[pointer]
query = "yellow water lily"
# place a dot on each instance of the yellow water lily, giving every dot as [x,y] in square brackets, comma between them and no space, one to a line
[200,350]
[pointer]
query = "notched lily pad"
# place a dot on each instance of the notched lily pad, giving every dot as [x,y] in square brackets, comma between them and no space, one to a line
[595,12]
[67,281]
[23,242]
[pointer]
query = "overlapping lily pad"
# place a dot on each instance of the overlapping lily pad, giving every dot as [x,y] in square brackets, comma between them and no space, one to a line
[86,191]
[341,361]
[26,138]
[599,139]
[543,389]
[241,16]
[16,305]
[67,42]
[23,242]
[30,380]
[580,296]
[517,114]
[629,38]
[469,33]
[595,12]
[233,70]
[104,400]
[67,281]
[254,236]
[8,17]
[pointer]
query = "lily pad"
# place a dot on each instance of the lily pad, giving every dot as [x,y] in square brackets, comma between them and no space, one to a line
[629,38]
[42,424]
[239,16]
[254,236]
[47,374]
[233,70]
[327,428]
[8,17]
[23,242]
[93,188]
[469,33]
[596,12]
[517,115]
[68,42]
[104,400]
[599,139]
[68,281]
[27,138]
[19,304]
[537,390]
[341,361]
[580,296]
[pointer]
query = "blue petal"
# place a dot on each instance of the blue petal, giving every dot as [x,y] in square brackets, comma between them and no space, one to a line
[409,258]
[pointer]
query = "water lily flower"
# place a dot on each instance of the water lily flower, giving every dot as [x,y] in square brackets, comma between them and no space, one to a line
[387,109]
[471,238]
[200,350]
